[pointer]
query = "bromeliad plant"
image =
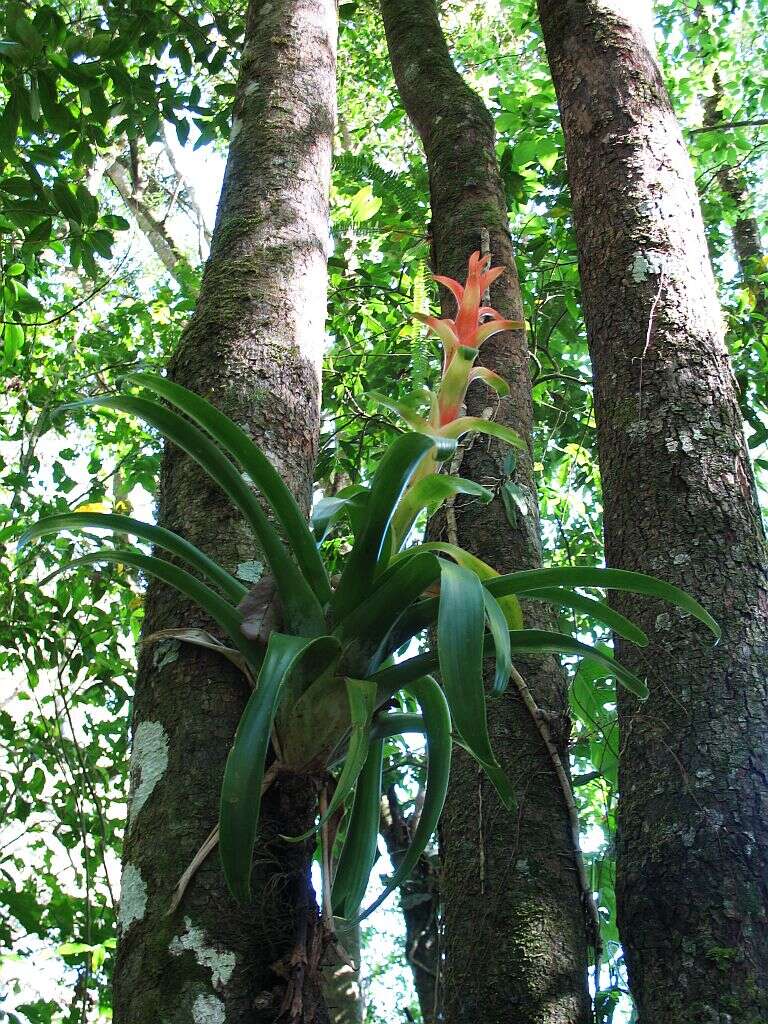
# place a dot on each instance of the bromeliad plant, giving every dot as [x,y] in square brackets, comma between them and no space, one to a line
[326,679]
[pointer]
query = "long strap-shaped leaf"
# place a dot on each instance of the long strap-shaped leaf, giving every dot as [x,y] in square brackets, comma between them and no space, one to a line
[389,482]
[350,501]
[509,604]
[361,695]
[359,851]
[394,677]
[234,440]
[460,639]
[300,605]
[522,641]
[499,629]
[241,789]
[400,585]
[158,535]
[470,424]
[221,611]
[437,730]
[597,611]
[396,724]
[609,579]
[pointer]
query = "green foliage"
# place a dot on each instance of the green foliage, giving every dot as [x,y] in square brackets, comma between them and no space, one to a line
[304,687]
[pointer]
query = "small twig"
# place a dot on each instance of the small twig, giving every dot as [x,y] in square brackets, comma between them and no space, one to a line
[326,860]
[754,123]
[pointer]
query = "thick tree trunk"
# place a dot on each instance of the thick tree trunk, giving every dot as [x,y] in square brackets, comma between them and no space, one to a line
[679,503]
[514,928]
[253,347]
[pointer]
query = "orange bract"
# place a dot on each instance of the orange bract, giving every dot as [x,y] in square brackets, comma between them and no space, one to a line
[466,332]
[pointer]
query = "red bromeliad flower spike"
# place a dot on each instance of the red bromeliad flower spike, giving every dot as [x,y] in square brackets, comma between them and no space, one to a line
[463,336]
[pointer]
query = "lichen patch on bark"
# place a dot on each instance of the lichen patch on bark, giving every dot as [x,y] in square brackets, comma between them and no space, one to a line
[208,1009]
[149,761]
[221,963]
[133,897]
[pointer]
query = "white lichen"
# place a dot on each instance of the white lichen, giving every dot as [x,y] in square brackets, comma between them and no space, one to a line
[237,124]
[644,264]
[208,1009]
[221,963]
[133,897]
[166,652]
[149,761]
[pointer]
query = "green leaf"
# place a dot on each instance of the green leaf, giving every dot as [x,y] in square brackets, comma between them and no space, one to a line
[493,380]
[396,724]
[67,201]
[542,641]
[364,204]
[460,632]
[238,444]
[13,339]
[497,624]
[389,482]
[401,584]
[476,424]
[509,604]
[300,605]
[351,501]
[361,695]
[515,500]
[393,678]
[429,493]
[223,613]
[244,772]
[78,521]
[598,611]
[608,579]
[404,411]
[437,730]
[360,845]
[521,641]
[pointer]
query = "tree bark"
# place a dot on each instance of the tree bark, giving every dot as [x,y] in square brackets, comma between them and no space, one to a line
[514,929]
[679,503]
[340,976]
[253,347]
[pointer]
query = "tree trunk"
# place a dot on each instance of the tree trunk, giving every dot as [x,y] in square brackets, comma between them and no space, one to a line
[679,503]
[340,975]
[514,930]
[154,230]
[747,242]
[254,348]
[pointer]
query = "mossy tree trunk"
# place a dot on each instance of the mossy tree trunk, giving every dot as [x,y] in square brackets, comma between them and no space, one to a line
[514,928]
[679,502]
[253,347]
